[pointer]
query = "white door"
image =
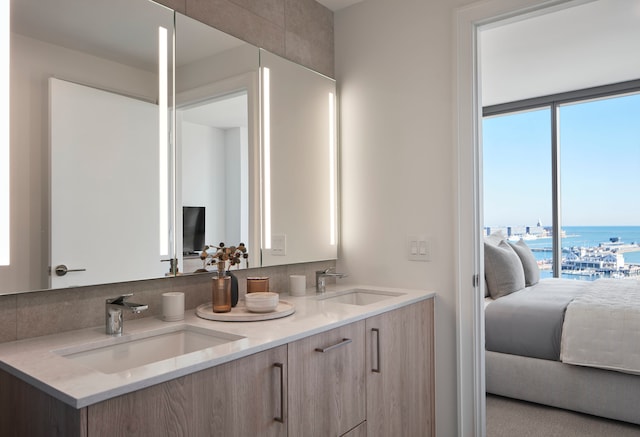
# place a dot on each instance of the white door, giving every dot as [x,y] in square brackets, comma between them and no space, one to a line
[104,186]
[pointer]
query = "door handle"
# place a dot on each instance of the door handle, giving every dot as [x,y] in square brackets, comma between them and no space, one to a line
[62,270]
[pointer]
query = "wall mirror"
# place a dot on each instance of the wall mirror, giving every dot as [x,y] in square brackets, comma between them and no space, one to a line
[70,54]
[299,144]
[86,74]
[217,145]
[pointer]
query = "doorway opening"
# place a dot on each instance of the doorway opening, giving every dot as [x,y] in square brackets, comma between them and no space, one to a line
[535,68]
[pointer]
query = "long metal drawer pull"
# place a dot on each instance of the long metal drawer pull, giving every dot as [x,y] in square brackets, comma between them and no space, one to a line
[337,345]
[377,368]
[281,417]
[62,270]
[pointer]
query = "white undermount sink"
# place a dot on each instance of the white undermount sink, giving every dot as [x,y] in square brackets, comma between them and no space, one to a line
[359,296]
[128,352]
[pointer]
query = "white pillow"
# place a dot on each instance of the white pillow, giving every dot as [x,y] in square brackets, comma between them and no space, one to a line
[503,269]
[494,239]
[529,263]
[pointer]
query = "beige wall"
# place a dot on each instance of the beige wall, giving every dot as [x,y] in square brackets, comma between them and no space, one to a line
[300,30]
[394,68]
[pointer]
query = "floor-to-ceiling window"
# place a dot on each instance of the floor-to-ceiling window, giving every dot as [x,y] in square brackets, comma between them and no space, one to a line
[517,176]
[585,147]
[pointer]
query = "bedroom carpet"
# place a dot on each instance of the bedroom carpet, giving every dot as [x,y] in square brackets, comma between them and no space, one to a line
[509,418]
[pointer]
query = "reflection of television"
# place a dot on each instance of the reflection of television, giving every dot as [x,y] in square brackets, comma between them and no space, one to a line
[192,229]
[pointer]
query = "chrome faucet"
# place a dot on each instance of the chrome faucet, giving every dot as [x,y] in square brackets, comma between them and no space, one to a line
[113,313]
[322,275]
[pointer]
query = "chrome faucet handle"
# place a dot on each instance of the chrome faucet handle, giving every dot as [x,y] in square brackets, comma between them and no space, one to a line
[119,300]
[321,276]
[324,272]
[113,313]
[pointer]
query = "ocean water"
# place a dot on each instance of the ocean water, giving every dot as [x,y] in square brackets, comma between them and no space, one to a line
[589,236]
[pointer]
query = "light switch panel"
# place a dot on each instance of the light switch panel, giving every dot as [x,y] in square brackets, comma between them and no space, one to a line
[278,245]
[419,248]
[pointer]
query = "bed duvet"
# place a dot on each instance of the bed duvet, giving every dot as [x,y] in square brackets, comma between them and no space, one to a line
[530,322]
[602,326]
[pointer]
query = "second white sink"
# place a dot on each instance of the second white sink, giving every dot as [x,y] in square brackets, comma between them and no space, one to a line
[126,353]
[360,296]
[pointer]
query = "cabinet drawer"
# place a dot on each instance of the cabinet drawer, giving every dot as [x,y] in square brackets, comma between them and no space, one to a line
[327,394]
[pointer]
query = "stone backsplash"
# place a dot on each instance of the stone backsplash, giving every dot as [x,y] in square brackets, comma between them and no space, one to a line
[47,312]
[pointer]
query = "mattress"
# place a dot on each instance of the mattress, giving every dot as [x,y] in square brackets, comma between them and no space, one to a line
[602,326]
[529,322]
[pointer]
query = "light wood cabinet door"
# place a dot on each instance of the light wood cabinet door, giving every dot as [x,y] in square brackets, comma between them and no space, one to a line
[27,411]
[400,372]
[327,382]
[245,397]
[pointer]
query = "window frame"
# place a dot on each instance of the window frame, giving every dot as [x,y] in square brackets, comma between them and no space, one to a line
[554,102]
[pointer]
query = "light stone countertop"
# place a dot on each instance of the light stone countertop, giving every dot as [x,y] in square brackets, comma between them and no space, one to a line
[35,360]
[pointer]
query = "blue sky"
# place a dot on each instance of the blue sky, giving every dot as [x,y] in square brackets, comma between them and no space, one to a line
[600,163]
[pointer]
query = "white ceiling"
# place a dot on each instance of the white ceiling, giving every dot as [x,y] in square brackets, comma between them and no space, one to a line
[99,27]
[95,26]
[590,44]
[336,5]
[225,113]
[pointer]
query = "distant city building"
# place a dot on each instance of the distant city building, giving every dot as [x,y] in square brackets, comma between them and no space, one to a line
[515,233]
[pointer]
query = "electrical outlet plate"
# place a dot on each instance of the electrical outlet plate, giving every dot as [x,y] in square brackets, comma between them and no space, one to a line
[418,248]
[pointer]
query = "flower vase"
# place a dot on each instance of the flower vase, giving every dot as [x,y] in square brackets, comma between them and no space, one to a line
[221,294]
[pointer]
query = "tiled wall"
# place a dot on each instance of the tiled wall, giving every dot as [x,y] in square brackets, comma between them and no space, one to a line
[298,30]
[47,312]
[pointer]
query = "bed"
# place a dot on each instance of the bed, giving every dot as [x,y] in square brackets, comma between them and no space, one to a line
[565,343]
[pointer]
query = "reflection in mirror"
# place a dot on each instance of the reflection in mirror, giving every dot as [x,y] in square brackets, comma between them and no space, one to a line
[107,195]
[214,150]
[110,49]
[216,142]
[300,162]
[105,65]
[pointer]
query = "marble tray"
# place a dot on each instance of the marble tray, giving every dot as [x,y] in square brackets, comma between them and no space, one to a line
[240,313]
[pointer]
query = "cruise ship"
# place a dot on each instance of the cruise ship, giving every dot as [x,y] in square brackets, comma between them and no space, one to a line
[516,233]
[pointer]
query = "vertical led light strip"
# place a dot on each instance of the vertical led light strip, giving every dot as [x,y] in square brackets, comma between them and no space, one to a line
[332,170]
[266,130]
[163,146]
[5,246]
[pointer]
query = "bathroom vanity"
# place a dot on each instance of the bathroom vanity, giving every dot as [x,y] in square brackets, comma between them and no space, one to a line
[354,362]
